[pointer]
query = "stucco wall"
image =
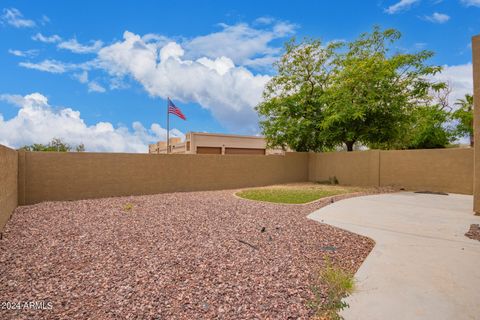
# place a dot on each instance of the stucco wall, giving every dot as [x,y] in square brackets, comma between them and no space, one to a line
[446,170]
[70,176]
[8,183]
[358,168]
[476,120]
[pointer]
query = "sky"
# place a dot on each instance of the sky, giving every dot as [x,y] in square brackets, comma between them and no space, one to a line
[99,72]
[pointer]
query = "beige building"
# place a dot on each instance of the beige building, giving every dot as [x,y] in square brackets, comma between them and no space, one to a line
[213,143]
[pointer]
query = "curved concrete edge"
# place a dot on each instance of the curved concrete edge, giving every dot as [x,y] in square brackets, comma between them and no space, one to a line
[422,266]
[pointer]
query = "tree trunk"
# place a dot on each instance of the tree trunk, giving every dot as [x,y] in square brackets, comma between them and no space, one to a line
[471,140]
[349,145]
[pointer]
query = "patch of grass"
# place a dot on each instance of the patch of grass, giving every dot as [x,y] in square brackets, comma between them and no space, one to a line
[336,284]
[295,193]
[285,195]
[128,207]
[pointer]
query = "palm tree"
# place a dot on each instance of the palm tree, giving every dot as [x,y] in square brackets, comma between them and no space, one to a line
[464,116]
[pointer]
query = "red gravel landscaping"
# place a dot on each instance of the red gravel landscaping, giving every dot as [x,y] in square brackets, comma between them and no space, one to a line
[199,255]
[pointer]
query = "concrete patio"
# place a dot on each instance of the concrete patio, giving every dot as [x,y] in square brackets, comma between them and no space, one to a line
[422,267]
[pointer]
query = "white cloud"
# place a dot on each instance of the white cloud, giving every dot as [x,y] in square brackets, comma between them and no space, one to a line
[46,39]
[471,3]
[402,5]
[95,87]
[420,45]
[15,18]
[44,20]
[24,53]
[38,122]
[74,46]
[241,43]
[52,66]
[229,91]
[220,65]
[81,77]
[460,79]
[221,71]
[437,17]
[264,20]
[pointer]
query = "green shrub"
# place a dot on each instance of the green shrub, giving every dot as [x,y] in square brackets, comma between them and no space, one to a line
[331,180]
[331,286]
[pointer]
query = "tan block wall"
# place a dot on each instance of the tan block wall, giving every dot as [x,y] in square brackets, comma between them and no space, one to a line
[71,176]
[445,170]
[8,183]
[476,120]
[357,168]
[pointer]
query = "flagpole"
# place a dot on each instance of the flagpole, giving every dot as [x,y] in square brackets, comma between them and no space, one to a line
[168,127]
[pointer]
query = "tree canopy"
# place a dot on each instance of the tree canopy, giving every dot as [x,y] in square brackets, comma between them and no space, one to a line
[326,96]
[56,145]
[464,117]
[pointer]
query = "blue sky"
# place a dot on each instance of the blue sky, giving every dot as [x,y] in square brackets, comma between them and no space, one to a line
[98,72]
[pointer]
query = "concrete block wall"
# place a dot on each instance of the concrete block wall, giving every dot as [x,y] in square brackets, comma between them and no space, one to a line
[45,176]
[360,168]
[32,177]
[476,119]
[443,170]
[8,183]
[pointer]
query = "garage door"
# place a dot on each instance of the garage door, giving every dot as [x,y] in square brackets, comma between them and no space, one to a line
[209,150]
[244,151]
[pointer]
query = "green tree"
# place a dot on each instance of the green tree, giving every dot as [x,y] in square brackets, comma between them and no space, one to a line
[80,148]
[58,145]
[324,97]
[294,99]
[428,128]
[428,125]
[55,145]
[374,92]
[464,117]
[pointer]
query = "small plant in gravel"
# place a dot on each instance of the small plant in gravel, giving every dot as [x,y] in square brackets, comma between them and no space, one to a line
[330,287]
[331,180]
[128,207]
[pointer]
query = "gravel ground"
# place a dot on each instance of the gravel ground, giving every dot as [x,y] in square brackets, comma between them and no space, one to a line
[199,255]
[474,232]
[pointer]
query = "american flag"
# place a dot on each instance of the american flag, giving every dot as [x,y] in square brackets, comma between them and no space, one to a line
[172,108]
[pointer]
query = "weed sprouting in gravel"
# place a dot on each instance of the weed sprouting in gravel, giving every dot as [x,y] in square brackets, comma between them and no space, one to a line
[331,181]
[128,207]
[329,288]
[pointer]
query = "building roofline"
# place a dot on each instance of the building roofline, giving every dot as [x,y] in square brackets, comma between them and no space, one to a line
[225,135]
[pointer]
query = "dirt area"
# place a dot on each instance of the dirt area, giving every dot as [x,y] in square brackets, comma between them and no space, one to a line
[474,232]
[198,255]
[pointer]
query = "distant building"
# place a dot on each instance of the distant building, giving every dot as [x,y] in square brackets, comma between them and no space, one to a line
[214,143]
